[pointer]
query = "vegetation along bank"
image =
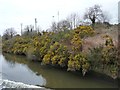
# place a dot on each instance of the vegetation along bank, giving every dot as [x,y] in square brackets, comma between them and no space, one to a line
[68,49]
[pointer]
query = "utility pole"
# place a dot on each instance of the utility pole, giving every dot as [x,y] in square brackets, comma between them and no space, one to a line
[74,17]
[58,16]
[58,20]
[54,27]
[36,24]
[21,28]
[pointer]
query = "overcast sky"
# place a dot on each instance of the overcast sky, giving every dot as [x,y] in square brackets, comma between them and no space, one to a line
[14,12]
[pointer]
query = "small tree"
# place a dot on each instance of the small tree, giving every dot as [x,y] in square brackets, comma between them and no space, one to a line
[12,32]
[94,14]
[54,27]
[29,30]
[105,17]
[9,33]
[64,25]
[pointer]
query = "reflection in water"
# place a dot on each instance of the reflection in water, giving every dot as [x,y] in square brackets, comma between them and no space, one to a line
[13,70]
[19,68]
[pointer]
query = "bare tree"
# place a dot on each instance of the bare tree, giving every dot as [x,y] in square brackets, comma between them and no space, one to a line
[74,20]
[105,17]
[64,25]
[71,22]
[94,14]
[29,28]
[54,27]
[6,35]
[12,32]
[9,33]
[39,29]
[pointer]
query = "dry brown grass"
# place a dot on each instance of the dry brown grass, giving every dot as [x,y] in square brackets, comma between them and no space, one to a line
[98,39]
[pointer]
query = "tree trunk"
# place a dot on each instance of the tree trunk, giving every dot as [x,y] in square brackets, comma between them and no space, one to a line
[93,22]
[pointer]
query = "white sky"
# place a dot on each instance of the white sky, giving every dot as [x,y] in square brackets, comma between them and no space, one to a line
[14,12]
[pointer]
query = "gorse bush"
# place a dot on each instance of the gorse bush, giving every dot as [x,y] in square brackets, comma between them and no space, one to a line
[84,31]
[105,58]
[21,45]
[58,55]
[78,62]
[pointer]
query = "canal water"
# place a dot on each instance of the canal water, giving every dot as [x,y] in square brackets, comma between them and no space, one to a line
[20,69]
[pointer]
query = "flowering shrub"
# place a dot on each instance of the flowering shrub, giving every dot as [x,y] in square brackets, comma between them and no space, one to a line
[78,62]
